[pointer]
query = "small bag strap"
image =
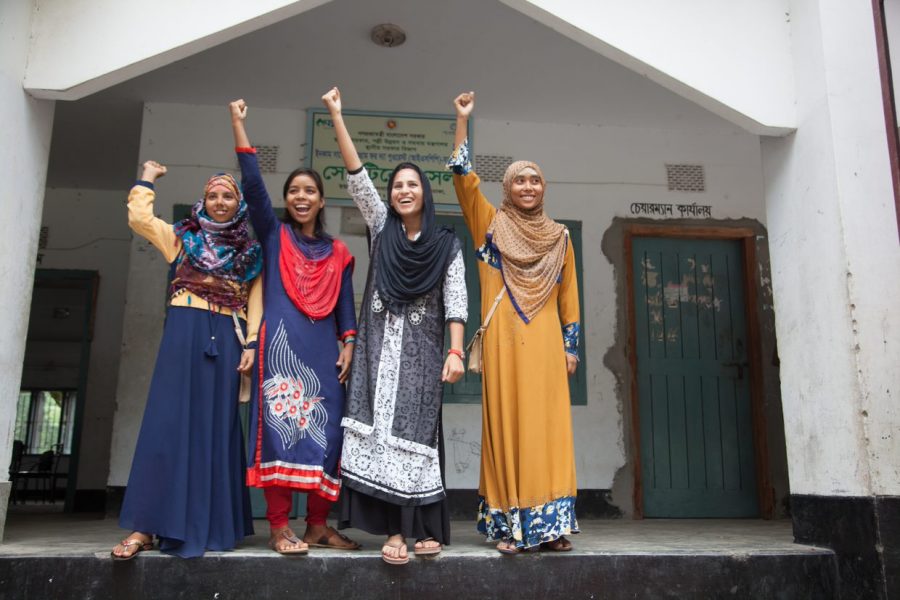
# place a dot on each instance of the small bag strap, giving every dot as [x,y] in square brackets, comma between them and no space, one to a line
[238,330]
[490,314]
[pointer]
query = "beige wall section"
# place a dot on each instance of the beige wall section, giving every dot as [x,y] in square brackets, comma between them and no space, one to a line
[594,174]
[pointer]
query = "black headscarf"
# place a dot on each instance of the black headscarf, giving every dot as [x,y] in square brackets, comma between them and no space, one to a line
[409,269]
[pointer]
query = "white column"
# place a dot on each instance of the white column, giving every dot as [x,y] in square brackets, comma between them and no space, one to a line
[27,125]
[835,258]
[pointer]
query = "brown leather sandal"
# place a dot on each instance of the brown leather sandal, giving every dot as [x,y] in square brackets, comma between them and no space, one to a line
[327,540]
[286,534]
[560,544]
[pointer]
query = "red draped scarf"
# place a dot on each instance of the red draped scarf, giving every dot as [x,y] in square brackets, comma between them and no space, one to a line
[312,285]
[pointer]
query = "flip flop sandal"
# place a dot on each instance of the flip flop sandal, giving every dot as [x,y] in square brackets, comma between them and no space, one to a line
[423,551]
[323,542]
[399,560]
[289,536]
[507,550]
[560,544]
[141,546]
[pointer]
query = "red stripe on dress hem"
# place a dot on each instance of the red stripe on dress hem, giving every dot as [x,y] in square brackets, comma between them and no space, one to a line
[268,472]
[324,487]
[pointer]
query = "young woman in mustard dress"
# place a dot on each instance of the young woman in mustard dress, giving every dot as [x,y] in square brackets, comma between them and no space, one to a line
[527,482]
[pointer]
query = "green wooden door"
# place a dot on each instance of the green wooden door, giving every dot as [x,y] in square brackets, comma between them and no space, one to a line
[696,433]
[468,389]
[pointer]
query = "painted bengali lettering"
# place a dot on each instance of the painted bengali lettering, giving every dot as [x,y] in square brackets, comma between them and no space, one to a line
[667,210]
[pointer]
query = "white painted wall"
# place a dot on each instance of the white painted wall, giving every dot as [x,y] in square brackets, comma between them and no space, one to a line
[594,174]
[834,254]
[82,46]
[733,58]
[87,230]
[23,169]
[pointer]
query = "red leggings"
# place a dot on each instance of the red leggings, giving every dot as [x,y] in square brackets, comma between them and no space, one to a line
[279,501]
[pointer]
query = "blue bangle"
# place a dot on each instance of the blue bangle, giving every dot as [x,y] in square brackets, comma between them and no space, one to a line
[251,345]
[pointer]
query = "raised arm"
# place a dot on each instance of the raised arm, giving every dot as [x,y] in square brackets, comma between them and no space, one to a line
[141,219]
[477,211]
[359,184]
[332,101]
[262,216]
[464,103]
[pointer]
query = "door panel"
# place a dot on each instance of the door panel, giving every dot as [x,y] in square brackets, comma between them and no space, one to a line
[696,431]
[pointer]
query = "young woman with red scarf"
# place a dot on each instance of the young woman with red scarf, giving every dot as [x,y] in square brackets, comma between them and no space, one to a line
[298,393]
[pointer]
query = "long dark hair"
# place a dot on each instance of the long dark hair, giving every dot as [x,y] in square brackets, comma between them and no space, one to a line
[320,216]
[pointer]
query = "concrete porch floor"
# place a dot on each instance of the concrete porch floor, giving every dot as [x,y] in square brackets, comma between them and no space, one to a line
[54,555]
[33,531]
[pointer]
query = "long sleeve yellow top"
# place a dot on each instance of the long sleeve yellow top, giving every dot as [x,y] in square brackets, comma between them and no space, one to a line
[161,234]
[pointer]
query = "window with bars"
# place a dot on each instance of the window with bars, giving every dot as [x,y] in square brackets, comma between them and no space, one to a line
[44,420]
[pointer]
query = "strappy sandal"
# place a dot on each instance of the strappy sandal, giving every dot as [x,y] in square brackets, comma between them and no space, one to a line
[509,547]
[560,544]
[394,560]
[141,545]
[287,534]
[425,551]
[326,541]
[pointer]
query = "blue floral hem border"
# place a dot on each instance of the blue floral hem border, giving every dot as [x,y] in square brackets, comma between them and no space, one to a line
[529,526]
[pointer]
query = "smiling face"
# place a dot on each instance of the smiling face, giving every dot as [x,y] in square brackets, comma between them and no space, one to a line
[303,201]
[220,203]
[406,193]
[526,190]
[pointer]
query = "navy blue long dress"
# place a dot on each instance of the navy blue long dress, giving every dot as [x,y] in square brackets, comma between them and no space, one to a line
[187,476]
[297,402]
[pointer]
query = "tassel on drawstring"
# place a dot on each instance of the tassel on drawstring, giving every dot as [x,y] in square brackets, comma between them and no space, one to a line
[211,349]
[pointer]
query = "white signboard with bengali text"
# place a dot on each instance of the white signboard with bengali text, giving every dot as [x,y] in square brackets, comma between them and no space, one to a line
[383,141]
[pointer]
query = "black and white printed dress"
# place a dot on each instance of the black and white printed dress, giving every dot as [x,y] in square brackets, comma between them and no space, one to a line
[392,461]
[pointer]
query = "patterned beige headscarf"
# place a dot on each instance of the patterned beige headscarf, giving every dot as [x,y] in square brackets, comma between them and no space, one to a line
[531,244]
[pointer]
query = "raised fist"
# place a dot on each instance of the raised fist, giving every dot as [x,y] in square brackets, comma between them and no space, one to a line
[464,104]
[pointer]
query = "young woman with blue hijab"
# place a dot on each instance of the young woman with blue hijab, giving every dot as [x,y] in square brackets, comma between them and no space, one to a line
[186,484]
[392,464]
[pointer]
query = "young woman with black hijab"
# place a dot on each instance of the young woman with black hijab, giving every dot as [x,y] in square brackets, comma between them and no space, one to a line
[392,463]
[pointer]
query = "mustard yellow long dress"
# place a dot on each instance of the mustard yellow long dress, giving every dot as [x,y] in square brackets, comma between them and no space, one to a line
[527,481]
